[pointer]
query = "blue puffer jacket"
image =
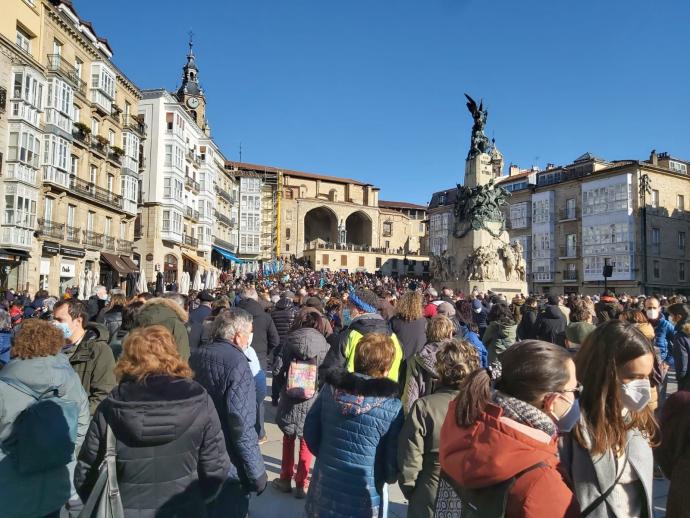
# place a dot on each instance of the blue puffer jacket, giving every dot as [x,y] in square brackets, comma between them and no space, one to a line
[663,339]
[223,370]
[473,338]
[352,429]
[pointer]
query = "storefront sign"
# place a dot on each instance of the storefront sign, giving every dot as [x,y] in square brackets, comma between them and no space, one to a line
[68,269]
[51,248]
[45,266]
[72,252]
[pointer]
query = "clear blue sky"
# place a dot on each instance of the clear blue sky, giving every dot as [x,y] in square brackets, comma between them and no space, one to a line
[372,89]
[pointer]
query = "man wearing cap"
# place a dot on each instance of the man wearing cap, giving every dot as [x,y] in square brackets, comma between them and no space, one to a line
[365,320]
[198,315]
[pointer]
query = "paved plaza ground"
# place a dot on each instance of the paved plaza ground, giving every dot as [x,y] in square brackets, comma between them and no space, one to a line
[274,504]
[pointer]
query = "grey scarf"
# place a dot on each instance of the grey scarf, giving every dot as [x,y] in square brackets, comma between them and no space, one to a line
[524,413]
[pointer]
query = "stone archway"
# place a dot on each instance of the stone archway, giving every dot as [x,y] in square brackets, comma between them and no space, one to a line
[321,223]
[359,228]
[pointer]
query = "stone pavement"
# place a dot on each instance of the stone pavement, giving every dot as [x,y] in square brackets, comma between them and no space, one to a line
[274,504]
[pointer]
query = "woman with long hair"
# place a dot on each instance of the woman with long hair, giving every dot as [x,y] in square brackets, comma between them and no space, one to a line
[509,433]
[409,323]
[501,332]
[171,455]
[420,437]
[608,455]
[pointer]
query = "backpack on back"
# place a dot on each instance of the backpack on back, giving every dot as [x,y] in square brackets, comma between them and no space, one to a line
[44,434]
[454,501]
[301,379]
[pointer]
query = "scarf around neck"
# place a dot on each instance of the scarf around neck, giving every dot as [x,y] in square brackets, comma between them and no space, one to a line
[524,413]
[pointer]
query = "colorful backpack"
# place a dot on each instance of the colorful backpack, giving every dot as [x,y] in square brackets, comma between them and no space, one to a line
[301,379]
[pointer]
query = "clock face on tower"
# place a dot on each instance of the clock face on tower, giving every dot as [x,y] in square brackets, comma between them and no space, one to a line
[192,102]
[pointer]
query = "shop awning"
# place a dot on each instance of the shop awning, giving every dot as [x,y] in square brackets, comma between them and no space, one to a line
[198,261]
[116,264]
[227,254]
[130,264]
[13,255]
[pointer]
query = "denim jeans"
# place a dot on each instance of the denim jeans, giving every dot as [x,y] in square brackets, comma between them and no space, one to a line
[231,502]
[260,383]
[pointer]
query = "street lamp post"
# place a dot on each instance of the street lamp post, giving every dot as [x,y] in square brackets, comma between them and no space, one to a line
[644,189]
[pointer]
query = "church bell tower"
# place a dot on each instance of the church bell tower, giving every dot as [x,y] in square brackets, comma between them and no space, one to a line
[190,93]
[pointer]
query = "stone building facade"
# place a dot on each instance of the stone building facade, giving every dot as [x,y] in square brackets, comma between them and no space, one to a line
[71,142]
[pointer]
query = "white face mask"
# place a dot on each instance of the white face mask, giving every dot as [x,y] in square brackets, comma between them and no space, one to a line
[652,314]
[250,339]
[636,394]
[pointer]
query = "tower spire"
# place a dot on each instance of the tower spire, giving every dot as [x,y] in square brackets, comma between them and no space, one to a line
[190,74]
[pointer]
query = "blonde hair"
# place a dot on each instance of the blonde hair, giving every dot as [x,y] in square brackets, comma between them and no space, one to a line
[440,328]
[409,307]
[149,351]
[374,354]
[456,359]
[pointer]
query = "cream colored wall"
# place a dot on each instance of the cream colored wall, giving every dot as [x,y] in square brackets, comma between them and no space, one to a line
[337,259]
[29,17]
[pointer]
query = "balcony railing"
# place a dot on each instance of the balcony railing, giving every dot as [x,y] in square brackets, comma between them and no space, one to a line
[569,213]
[191,183]
[95,193]
[568,251]
[223,218]
[93,238]
[80,136]
[124,246]
[190,241]
[73,234]
[225,244]
[134,124]
[225,194]
[570,276]
[66,70]
[109,242]
[115,158]
[51,229]
[99,147]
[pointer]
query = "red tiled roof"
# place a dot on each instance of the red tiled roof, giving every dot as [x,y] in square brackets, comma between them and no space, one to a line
[291,172]
[400,205]
[503,179]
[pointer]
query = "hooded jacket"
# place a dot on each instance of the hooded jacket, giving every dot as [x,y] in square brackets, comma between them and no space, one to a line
[166,313]
[681,354]
[421,377]
[40,493]
[551,325]
[663,338]
[343,345]
[265,333]
[352,429]
[302,344]
[170,452]
[494,450]
[92,359]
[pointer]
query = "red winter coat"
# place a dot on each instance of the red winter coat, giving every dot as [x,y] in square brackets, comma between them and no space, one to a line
[496,448]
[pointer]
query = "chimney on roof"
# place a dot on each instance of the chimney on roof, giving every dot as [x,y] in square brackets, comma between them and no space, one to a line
[653,158]
[513,170]
[550,166]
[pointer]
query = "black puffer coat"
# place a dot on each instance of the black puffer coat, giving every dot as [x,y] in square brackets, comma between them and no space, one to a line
[302,344]
[112,319]
[528,328]
[170,450]
[283,315]
[551,325]
[411,333]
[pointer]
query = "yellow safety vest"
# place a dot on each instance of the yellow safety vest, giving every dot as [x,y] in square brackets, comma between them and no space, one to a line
[353,339]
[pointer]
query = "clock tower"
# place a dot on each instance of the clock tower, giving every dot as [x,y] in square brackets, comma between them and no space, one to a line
[190,94]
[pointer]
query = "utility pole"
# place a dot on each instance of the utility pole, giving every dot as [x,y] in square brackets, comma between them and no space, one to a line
[644,189]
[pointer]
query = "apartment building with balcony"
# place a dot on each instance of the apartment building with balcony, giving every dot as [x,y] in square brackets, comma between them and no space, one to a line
[179,214]
[72,151]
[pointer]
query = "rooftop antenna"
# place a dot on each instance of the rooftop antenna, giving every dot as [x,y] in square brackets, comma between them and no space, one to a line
[191,40]
[240,151]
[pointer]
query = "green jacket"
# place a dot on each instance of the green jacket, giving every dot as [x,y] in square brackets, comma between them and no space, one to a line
[418,444]
[498,337]
[164,312]
[92,359]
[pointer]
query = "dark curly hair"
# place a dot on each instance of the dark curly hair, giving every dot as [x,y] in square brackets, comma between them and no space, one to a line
[455,360]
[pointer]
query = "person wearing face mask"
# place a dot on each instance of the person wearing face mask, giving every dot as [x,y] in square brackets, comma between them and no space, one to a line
[608,455]
[222,368]
[663,338]
[679,316]
[86,346]
[97,302]
[509,434]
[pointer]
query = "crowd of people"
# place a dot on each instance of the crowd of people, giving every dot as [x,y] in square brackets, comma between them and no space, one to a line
[474,404]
